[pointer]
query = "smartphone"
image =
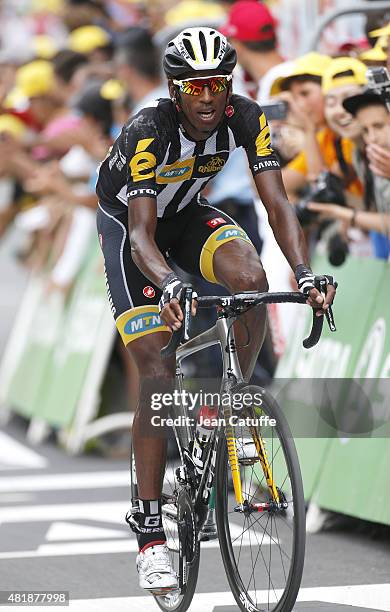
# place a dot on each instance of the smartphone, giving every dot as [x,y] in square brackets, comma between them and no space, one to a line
[276,110]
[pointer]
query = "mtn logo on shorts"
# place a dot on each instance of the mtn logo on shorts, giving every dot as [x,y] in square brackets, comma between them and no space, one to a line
[140,322]
[232,233]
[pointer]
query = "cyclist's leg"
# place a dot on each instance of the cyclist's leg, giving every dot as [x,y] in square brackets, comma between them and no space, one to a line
[237,267]
[134,302]
[216,247]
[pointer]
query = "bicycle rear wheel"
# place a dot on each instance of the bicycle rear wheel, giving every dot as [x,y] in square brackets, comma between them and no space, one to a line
[180,527]
[263,548]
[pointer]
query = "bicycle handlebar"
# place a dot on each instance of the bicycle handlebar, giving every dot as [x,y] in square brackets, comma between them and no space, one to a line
[245,301]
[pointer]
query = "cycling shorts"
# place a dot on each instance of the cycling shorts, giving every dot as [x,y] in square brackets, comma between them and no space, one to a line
[189,239]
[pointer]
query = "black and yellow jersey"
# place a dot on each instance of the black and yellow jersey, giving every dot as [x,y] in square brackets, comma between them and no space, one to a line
[153,156]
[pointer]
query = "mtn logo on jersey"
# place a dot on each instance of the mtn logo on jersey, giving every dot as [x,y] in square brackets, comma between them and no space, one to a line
[215,222]
[178,171]
[139,322]
[149,292]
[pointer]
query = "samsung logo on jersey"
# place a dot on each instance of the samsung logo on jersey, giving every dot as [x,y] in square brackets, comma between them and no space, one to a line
[264,165]
[142,322]
[232,233]
[175,172]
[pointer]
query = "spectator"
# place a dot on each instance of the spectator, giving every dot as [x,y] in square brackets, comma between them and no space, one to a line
[93,41]
[252,30]
[342,78]
[67,67]
[138,67]
[301,90]
[374,120]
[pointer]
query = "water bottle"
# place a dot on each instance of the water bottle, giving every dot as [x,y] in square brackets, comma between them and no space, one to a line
[203,431]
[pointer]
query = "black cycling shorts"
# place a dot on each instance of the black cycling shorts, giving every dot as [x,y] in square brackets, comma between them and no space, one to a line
[190,239]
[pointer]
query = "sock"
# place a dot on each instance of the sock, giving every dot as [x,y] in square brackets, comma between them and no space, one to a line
[150,522]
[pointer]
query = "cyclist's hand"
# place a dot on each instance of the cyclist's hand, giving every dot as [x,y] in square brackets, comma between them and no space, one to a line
[169,306]
[307,285]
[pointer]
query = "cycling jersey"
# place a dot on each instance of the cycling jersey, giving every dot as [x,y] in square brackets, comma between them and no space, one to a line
[155,157]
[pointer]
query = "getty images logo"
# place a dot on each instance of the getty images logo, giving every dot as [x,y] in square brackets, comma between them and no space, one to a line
[143,321]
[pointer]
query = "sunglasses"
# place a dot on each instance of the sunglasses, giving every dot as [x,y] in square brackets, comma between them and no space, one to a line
[194,87]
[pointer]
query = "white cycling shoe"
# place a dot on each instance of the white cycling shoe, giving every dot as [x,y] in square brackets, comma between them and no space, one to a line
[155,571]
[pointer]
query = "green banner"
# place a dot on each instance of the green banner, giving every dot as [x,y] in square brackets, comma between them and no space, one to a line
[62,386]
[32,371]
[50,376]
[340,472]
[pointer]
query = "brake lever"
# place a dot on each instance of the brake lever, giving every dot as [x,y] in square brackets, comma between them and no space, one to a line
[329,311]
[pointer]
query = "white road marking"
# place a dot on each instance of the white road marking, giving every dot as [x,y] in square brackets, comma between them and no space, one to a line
[61,531]
[113,512]
[76,480]
[7,498]
[370,596]
[14,455]
[55,482]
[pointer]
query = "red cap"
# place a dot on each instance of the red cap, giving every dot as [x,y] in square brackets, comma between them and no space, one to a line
[250,21]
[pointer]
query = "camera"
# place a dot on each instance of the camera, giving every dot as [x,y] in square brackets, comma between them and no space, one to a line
[379,82]
[275,110]
[327,188]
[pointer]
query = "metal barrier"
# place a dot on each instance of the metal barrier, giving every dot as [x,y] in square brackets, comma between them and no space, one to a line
[356,7]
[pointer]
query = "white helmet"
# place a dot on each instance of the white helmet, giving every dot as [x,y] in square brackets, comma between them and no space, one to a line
[199,49]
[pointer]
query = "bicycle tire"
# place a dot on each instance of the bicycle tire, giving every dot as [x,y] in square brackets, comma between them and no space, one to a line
[241,593]
[167,602]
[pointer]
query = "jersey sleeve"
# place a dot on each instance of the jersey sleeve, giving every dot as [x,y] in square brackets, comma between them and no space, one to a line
[143,146]
[255,137]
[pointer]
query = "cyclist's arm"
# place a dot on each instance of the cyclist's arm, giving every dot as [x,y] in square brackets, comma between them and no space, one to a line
[287,230]
[144,251]
[282,218]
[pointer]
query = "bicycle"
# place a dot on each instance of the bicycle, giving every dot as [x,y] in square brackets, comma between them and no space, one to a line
[267,508]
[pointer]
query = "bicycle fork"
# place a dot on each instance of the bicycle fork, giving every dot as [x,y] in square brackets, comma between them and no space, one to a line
[234,375]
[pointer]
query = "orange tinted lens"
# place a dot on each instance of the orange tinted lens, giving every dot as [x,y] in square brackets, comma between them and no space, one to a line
[194,87]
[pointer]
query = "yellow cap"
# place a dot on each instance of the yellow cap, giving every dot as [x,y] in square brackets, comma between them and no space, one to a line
[344,71]
[313,64]
[112,90]
[12,125]
[88,38]
[385,31]
[35,79]
[377,53]
[47,6]
[190,10]
[44,46]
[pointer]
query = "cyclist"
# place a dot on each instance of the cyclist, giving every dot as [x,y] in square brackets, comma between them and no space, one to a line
[151,211]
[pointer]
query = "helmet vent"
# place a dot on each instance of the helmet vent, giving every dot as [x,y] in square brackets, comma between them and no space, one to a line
[189,48]
[203,44]
[217,46]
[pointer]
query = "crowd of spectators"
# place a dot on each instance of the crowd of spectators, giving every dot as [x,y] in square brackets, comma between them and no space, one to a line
[73,71]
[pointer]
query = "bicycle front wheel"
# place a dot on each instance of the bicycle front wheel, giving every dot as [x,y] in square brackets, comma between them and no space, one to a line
[262,545]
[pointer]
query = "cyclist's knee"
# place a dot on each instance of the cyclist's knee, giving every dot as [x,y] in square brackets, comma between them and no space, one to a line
[248,280]
[146,354]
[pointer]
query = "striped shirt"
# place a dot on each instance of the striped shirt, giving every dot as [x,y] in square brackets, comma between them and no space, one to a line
[153,156]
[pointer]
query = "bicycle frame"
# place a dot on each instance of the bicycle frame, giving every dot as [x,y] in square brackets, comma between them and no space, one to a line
[222,333]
